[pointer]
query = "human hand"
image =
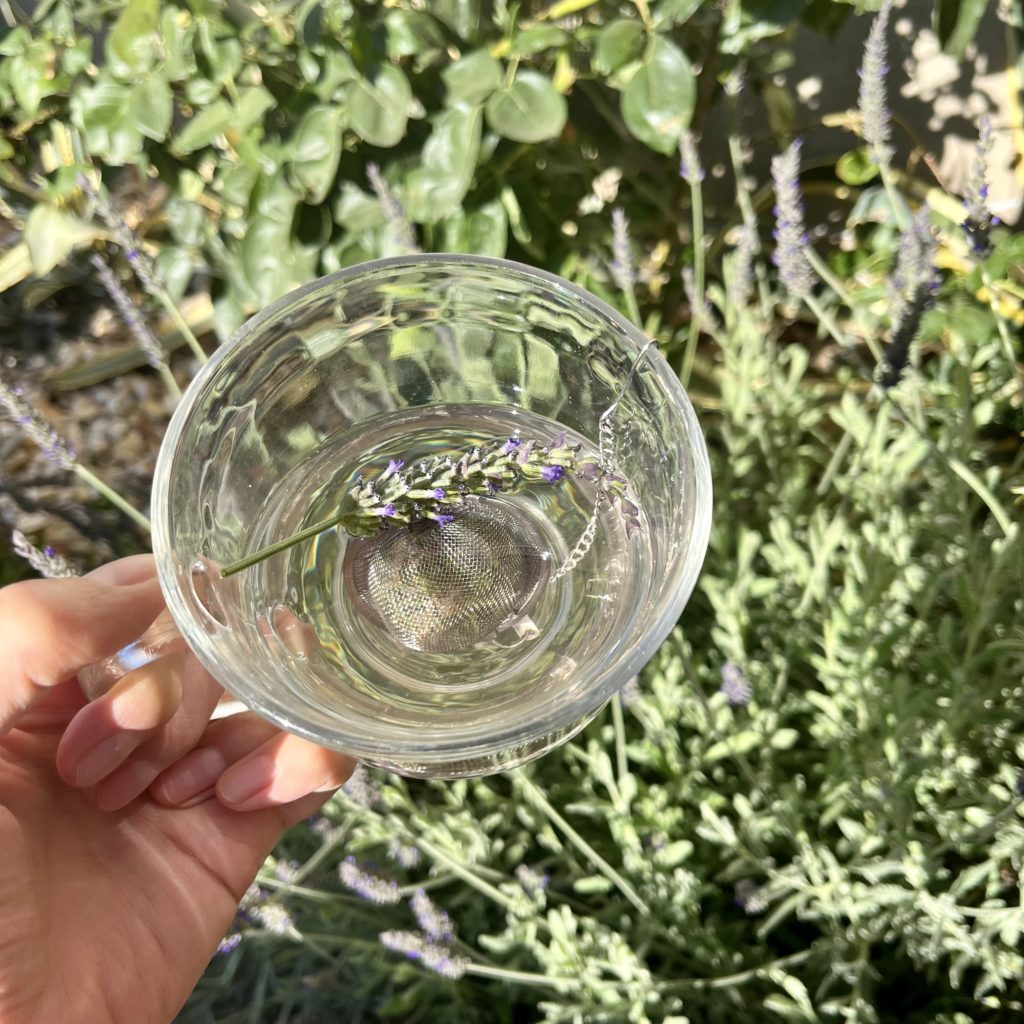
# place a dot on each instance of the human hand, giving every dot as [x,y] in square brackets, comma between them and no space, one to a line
[130,826]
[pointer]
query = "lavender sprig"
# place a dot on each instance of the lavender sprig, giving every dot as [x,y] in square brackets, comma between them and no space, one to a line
[370,887]
[47,562]
[735,685]
[978,223]
[690,169]
[433,921]
[136,323]
[911,292]
[434,489]
[790,235]
[140,261]
[435,957]
[874,110]
[398,223]
[621,267]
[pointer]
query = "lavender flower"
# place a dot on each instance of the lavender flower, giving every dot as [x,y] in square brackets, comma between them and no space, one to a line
[912,289]
[433,956]
[534,882]
[47,562]
[433,921]
[735,685]
[407,857]
[53,446]
[630,693]
[229,942]
[621,266]
[401,230]
[128,242]
[552,474]
[360,788]
[748,897]
[979,221]
[286,870]
[370,887]
[700,306]
[274,918]
[690,169]
[130,314]
[874,111]
[790,235]
[741,283]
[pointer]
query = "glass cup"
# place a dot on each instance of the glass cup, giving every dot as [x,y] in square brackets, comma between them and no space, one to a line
[347,368]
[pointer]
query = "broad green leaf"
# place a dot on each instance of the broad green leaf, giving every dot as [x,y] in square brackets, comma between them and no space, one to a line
[134,35]
[762,19]
[26,79]
[176,265]
[102,115]
[658,101]
[449,159]
[675,12]
[537,38]
[204,128]
[252,103]
[856,167]
[618,43]
[177,34]
[379,110]
[201,92]
[530,110]
[472,78]
[356,211]
[461,16]
[51,234]
[15,266]
[316,151]
[151,107]
[483,231]
[412,33]
[956,23]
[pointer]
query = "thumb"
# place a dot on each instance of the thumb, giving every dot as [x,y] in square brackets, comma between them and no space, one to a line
[49,629]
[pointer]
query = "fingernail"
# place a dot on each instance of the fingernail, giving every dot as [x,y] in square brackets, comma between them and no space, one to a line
[245,780]
[103,758]
[195,773]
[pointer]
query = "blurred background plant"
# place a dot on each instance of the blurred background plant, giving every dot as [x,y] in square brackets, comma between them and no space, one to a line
[808,807]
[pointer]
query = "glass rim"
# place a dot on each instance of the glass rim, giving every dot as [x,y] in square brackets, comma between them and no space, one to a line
[427,746]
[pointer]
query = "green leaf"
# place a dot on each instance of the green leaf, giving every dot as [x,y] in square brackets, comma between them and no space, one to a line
[412,33]
[737,745]
[461,16]
[530,110]
[437,187]
[379,111]
[658,101]
[151,107]
[472,78]
[204,128]
[179,61]
[26,79]
[783,739]
[252,103]
[592,884]
[675,12]
[483,232]
[957,23]
[537,38]
[51,234]
[134,35]
[618,43]
[316,151]
[856,167]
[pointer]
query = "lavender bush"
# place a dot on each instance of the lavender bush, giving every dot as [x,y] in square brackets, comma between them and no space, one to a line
[808,806]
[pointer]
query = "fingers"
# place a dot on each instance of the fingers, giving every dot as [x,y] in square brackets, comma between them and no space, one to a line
[251,765]
[49,629]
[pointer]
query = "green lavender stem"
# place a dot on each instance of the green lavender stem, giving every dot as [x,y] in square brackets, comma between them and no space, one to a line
[186,332]
[1004,334]
[697,202]
[111,495]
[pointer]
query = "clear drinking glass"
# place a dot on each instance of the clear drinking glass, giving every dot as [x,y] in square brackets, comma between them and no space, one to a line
[407,358]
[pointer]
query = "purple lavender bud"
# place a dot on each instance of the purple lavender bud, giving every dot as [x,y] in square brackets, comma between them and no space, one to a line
[735,685]
[370,887]
[621,266]
[559,442]
[398,223]
[978,223]
[552,474]
[49,551]
[228,943]
[632,525]
[588,471]
[431,919]
[493,487]
[874,111]
[439,493]
[443,519]
[534,882]
[394,465]
[388,510]
[510,445]
[790,235]
[690,169]
[52,445]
